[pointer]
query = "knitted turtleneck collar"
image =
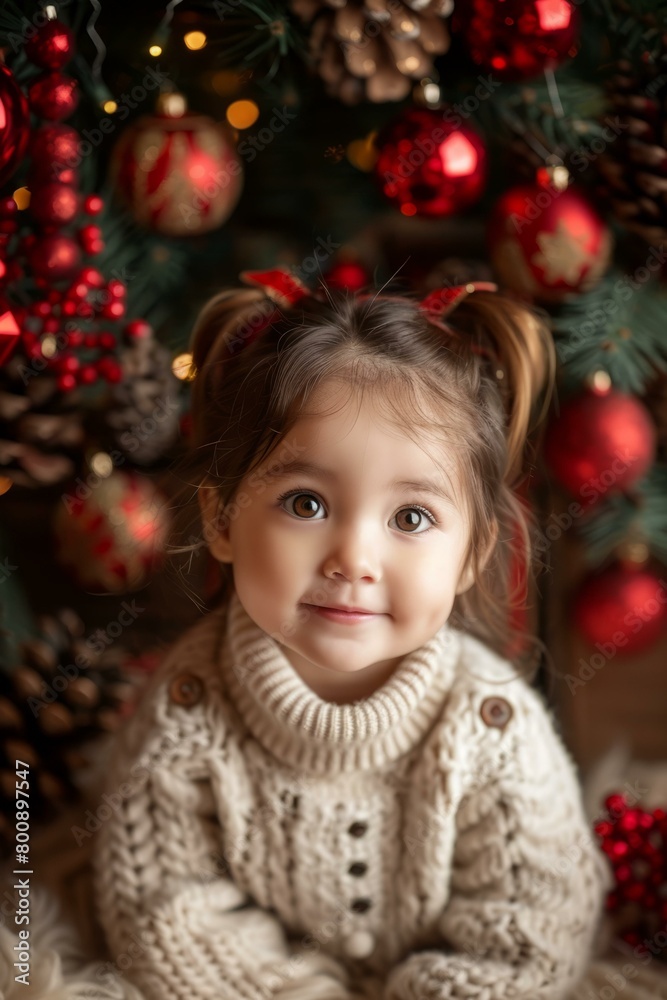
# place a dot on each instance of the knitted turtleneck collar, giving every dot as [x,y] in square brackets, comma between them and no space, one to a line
[301,729]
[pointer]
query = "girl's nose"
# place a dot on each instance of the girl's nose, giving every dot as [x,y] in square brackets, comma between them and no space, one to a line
[353,554]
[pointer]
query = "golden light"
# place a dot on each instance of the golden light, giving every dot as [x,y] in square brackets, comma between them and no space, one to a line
[363,153]
[49,346]
[101,464]
[600,382]
[242,114]
[155,50]
[5,484]
[22,198]
[195,40]
[182,367]
[634,551]
[110,107]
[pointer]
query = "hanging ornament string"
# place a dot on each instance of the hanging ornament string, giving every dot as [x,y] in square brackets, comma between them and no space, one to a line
[100,47]
[554,95]
[540,149]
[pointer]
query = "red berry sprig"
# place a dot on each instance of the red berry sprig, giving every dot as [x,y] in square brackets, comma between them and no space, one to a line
[634,841]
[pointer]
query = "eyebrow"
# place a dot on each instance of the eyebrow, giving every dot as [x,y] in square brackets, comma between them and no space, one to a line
[299,466]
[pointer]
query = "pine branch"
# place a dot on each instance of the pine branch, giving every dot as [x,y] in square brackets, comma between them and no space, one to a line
[619,328]
[526,113]
[640,515]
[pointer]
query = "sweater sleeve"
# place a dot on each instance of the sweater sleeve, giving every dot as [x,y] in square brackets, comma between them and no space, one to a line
[527,881]
[176,924]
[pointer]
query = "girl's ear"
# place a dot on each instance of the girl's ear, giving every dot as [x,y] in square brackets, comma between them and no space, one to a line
[216,533]
[466,580]
[467,576]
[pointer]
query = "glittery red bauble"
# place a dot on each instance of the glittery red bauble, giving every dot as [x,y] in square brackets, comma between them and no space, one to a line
[51,46]
[52,150]
[54,257]
[622,609]
[53,96]
[54,204]
[177,172]
[14,124]
[600,444]
[348,274]
[547,244]
[430,164]
[110,532]
[517,39]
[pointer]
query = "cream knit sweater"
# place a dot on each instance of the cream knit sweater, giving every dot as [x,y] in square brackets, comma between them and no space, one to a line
[426,842]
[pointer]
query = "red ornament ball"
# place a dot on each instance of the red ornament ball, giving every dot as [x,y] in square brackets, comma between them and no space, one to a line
[54,257]
[428,165]
[137,329]
[600,444]
[178,173]
[90,238]
[53,96]
[518,39]
[93,204]
[622,610]
[348,274]
[54,204]
[8,207]
[91,276]
[110,534]
[53,149]
[14,124]
[547,244]
[51,46]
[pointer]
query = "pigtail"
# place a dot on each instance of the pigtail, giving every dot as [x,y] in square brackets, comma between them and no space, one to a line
[226,323]
[520,358]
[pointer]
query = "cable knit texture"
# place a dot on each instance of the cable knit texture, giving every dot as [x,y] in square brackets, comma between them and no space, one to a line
[421,843]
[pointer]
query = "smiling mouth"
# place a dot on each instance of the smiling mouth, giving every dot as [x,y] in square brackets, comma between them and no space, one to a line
[342,615]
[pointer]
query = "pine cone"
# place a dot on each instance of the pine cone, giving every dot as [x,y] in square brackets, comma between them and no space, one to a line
[633,162]
[143,409]
[66,693]
[374,48]
[41,430]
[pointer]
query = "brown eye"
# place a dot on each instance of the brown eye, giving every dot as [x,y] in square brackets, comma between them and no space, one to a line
[411,518]
[304,505]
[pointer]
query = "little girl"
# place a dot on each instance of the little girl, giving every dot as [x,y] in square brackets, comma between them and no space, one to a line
[337,785]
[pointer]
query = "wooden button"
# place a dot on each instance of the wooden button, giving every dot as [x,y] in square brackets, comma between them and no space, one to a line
[496,712]
[186,689]
[357,829]
[358,868]
[361,905]
[359,944]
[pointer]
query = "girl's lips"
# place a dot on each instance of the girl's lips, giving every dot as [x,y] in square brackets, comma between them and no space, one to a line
[346,617]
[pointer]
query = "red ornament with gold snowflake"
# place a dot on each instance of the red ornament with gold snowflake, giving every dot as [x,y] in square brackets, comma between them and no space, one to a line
[548,242]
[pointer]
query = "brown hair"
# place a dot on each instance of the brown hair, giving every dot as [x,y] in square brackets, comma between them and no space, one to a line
[483,374]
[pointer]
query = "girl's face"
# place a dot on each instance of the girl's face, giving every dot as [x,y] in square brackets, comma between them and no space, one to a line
[349,533]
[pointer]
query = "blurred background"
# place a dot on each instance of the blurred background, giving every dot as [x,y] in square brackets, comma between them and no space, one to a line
[149,154]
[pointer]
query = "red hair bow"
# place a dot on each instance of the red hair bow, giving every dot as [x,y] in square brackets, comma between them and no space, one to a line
[279,284]
[441,301]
